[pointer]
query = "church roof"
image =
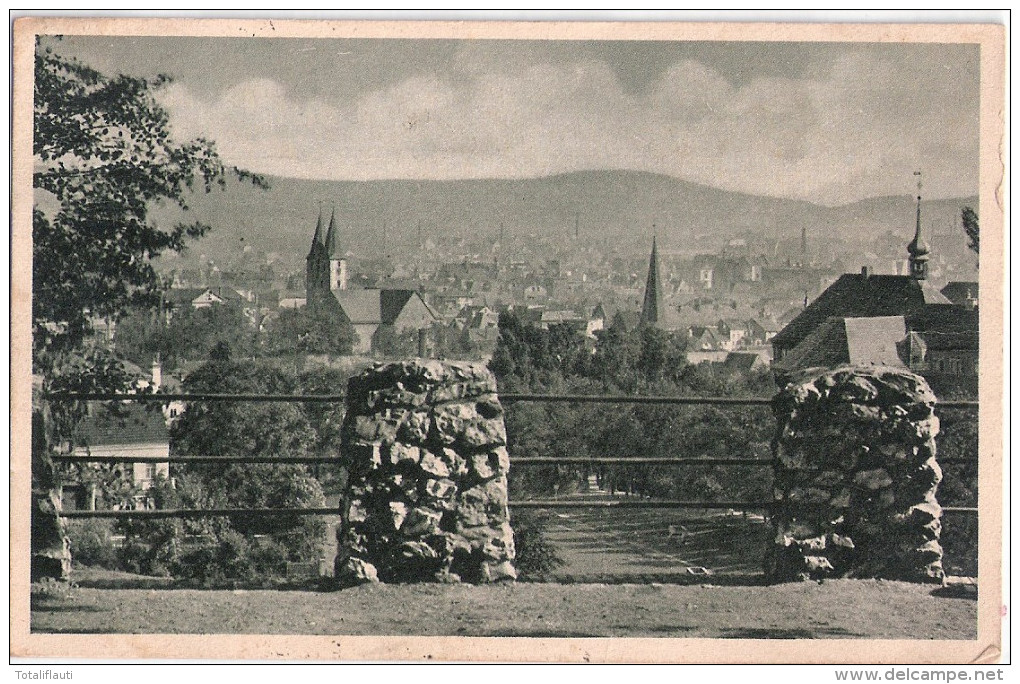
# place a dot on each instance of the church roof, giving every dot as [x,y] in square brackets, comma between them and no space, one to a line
[373,306]
[317,238]
[857,295]
[331,249]
[653,310]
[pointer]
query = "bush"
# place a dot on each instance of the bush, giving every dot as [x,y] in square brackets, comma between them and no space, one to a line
[151,547]
[536,557]
[233,557]
[92,542]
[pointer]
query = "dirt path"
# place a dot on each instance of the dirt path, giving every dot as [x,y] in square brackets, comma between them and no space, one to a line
[837,609]
[620,545]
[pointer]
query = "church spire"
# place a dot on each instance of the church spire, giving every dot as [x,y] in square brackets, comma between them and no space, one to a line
[331,235]
[317,238]
[652,309]
[918,247]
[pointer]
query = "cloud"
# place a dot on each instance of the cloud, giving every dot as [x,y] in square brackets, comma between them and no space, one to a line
[855,129]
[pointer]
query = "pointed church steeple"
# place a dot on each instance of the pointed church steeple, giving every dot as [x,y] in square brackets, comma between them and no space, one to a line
[316,267]
[317,238]
[337,268]
[918,247]
[331,235]
[652,310]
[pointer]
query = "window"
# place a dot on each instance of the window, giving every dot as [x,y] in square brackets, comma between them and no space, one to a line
[706,278]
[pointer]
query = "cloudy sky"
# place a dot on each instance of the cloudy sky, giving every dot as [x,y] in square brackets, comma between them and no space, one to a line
[827,123]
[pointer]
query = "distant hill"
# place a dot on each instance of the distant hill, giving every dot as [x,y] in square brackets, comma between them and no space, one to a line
[618,206]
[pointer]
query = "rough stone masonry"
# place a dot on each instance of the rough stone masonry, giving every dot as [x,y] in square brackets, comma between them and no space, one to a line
[856,477]
[424,445]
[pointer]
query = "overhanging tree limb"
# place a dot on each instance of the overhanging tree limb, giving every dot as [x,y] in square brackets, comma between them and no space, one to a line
[104,156]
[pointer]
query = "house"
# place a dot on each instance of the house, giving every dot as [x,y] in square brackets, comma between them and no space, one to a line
[480,326]
[535,293]
[895,320]
[861,295]
[202,297]
[179,298]
[134,431]
[291,299]
[375,313]
[746,361]
[562,317]
[733,332]
[704,343]
[129,430]
[862,341]
[596,320]
[944,355]
[704,338]
[761,331]
[962,293]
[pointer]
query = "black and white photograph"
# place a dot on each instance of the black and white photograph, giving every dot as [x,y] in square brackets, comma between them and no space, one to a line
[646,342]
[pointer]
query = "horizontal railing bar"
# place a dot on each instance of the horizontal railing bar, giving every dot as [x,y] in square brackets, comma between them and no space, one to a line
[262,512]
[199,512]
[508,398]
[127,458]
[535,503]
[201,396]
[514,460]
[623,503]
[519,460]
[636,460]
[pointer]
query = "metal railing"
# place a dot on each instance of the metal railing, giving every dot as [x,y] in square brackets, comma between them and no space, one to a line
[507,398]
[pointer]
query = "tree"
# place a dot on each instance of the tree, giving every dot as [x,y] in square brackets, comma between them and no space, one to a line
[252,429]
[190,335]
[305,331]
[970,226]
[104,156]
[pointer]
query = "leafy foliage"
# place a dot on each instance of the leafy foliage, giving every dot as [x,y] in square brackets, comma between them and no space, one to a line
[307,331]
[640,361]
[191,334]
[972,228]
[536,558]
[388,343]
[92,543]
[240,429]
[103,156]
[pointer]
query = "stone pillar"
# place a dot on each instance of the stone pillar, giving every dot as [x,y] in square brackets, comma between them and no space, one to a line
[424,445]
[856,477]
[50,547]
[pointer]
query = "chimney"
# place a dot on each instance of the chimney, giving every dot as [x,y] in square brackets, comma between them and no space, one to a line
[866,272]
[421,343]
[157,373]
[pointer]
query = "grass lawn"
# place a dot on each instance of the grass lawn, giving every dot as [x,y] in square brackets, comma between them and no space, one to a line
[833,609]
[626,572]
